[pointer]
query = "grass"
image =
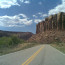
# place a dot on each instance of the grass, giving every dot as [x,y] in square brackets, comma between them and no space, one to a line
[16,48]
[59,46]
[13,44]
[9,41]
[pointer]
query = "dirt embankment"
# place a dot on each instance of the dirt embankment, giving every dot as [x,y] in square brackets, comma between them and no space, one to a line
[48,37]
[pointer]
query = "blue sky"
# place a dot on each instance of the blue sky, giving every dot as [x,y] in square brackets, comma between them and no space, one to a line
[23,15]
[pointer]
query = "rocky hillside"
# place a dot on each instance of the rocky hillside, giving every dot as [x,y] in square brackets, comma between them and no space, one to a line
[22,35]
[48,37]
[50,30]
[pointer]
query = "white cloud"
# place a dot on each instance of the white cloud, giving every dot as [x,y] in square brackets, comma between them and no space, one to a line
[28,22]
[35,16]
[9,3]
[25,1]
[17,20]
[22,15]
[58,8]
[39,17]
[22,0]
[37,20]
[43,15]
[40,13]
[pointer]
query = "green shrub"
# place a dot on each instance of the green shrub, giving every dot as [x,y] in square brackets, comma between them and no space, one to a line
[4,41]
[14,40]
[10,41]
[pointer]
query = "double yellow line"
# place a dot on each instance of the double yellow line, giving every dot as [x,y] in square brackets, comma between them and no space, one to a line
[32,57]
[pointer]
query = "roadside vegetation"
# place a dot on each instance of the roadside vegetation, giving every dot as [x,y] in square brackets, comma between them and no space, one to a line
[13,44]
[59,45]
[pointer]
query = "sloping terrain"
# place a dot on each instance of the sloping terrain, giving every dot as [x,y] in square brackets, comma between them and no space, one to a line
[48,37]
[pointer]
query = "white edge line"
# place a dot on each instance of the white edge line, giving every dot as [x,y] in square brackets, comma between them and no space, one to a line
[58,50]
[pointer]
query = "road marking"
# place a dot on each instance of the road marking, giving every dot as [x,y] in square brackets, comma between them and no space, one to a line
[32,57]
[58,51]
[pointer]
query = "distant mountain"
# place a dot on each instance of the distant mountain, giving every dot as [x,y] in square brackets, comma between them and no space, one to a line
[22,35]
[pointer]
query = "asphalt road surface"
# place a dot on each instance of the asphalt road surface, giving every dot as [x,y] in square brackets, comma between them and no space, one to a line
[38,55]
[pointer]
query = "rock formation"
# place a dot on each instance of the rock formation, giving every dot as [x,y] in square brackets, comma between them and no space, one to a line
[22,35]
[51,30]
[53,22]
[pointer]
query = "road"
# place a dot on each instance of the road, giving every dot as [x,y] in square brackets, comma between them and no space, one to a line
[38,55]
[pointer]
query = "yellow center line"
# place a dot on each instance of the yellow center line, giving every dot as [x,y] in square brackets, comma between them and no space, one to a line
[32,57]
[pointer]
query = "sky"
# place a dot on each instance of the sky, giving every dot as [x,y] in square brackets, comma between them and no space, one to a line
[23,15]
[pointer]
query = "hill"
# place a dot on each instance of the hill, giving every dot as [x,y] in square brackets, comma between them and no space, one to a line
[22,35]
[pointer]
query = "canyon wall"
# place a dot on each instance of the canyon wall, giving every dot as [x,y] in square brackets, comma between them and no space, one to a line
[21,35]
[53,22]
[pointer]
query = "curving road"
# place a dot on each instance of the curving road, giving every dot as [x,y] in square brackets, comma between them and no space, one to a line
[38,55]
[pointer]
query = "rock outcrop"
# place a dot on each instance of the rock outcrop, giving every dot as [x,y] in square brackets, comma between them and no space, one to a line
[53,22]
[51,30]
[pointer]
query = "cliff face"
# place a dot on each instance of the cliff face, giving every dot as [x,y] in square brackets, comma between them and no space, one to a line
[53,22]
[22,35]
[51,30]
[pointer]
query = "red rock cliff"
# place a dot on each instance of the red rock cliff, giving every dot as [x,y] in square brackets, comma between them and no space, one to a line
[53,22]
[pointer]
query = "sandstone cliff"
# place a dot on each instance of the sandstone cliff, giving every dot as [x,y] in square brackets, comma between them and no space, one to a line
[50,30]
[53,22]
